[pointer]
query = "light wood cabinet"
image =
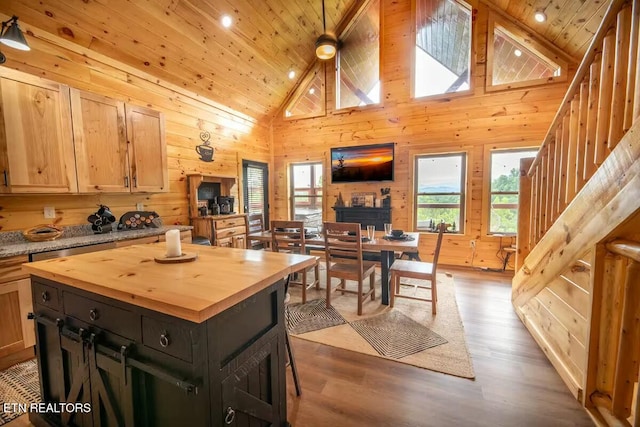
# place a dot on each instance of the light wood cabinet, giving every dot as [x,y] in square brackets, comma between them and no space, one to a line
[17,334]
[147,150]
[36,143]
[229,231]
[119,148]
[99,132]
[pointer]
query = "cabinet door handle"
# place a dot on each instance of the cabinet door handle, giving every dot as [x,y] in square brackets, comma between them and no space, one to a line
[135,181]
[6,178]
[126,181]
[93,314]
[164,340]
[231,414]
[45,296]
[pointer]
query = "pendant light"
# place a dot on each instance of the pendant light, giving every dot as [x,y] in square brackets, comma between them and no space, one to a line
[12,36]
[326,45]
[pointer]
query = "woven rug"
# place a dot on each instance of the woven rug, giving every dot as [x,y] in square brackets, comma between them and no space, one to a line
[312,316]
[438,343]
[19,384]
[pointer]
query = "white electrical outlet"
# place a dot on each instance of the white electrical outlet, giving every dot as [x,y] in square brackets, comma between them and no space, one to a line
[49,212]
[139,206]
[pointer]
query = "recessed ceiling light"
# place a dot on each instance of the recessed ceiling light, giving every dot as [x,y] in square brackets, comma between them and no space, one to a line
[226,21]
[517,53]
[540,16]
[292,74]
[312,91]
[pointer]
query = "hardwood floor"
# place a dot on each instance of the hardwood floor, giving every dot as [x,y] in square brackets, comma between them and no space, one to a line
[515,384]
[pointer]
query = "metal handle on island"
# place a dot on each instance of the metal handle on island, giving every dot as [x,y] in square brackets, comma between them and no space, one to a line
[45,296]
[164,340]
[93,314]
[231,414]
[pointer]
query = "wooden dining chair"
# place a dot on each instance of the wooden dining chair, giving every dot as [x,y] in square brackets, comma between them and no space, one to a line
[343,253]
[417,270]
[255,224]
[289,237]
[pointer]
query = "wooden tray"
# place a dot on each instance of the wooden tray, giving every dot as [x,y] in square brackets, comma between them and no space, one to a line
[176,259]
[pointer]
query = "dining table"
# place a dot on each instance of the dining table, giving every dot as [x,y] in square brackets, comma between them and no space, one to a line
[386,246]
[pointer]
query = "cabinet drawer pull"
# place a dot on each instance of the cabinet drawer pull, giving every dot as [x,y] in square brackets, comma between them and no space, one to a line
[45,296]
[126,181]
[93,314]
[6,179]
[164,340]
[231,414]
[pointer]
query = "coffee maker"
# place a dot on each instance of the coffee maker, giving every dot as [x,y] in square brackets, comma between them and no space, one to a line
[226,204]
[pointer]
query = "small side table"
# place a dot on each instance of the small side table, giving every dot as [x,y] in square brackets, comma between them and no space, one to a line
[508,250]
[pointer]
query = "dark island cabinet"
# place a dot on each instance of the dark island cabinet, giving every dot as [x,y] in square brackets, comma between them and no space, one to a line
[123,365]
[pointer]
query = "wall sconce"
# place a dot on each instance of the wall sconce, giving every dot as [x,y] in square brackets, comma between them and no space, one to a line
[11,35]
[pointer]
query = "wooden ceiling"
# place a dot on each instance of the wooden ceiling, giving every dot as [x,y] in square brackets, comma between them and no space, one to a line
[245,67]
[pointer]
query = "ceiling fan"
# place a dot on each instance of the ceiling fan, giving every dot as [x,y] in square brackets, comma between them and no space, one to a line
[327,44]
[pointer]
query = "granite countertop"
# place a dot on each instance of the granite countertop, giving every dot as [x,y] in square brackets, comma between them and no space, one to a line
[13,243]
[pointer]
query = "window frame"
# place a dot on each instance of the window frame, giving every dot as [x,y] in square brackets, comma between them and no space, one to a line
[345,33]
[292,196]
[486,200]
[317,69]
[461,227]
[472,55]
[530,43]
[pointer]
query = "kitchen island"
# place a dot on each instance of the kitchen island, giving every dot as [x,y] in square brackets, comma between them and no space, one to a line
[144,343]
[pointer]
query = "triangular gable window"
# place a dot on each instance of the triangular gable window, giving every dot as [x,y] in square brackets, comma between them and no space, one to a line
[359,60]
[515,60]
[309,98]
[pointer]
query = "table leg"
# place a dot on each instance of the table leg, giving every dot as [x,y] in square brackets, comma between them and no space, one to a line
[386,259]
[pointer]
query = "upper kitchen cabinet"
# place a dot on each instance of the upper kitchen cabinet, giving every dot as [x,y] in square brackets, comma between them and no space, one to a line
[36,143]
[119,148]
[147,149]
[99,131]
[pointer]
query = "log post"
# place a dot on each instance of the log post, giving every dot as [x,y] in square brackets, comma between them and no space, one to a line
[604,101]
[523,242]
[623,29]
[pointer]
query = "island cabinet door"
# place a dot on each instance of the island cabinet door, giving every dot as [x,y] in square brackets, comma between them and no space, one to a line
[251,394]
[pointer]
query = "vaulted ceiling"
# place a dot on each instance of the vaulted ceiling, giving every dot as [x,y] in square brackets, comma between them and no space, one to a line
[245,67]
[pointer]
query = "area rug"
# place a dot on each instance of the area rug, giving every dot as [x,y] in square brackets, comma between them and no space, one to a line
[19,384]
[441,348]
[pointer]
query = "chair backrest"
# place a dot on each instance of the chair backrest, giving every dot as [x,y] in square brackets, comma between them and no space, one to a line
[441,228]
[256,223]
[288,236]
[343,243]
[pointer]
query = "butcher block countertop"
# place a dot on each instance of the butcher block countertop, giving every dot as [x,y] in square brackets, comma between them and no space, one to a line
[218,279]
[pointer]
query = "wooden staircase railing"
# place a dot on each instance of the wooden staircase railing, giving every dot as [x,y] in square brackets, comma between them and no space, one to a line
[582,188]
[600,106]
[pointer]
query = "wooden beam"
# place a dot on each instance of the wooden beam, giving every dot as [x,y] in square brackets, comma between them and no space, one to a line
[581,153]
[572,151]
[549,189]
[633,65]
[626,248]
[604,203]
[592,119]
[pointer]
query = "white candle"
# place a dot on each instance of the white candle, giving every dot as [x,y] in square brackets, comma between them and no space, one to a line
[173,243]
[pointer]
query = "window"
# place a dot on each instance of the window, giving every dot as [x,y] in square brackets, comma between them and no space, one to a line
[309,98]
[256,188]
[443,47]
[439,191]
[505,182]
[517,60]
[359,61]
[306,193]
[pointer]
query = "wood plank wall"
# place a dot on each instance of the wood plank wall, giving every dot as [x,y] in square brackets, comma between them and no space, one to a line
[233,135]
[474,123]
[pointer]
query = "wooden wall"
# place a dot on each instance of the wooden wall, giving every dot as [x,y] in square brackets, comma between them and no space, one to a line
[233,135]
[474,123]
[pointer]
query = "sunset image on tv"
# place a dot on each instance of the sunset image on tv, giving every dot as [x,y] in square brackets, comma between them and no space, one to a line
[365,163]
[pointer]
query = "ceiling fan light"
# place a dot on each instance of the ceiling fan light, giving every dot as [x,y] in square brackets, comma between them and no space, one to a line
[540,16]
[326,47]
[13,36]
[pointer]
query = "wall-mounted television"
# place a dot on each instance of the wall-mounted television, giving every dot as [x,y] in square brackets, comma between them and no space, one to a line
[362,163]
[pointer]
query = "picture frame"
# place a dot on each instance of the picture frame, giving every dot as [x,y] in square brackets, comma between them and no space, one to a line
[364,199]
